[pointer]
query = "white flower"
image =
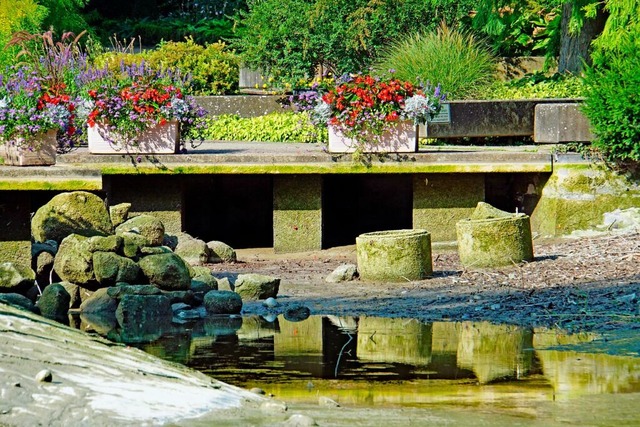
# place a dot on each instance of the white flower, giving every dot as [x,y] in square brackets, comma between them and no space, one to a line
[419,108]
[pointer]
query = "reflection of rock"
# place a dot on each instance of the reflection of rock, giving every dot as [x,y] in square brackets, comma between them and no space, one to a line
[299,338]
[572,374]
[222,325]
[394,340]
[140,316]
[297,313]
[100,323]
[445,337]
[494,351]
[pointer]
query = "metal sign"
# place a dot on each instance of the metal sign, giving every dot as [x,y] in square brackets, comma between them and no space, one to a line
[444,116]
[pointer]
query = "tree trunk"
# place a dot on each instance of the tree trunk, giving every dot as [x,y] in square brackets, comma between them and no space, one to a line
[574,48]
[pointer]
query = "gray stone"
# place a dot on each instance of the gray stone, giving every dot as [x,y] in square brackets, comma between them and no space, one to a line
[110,268]
[18,301]
[270,302]
[222,302]
[221,252]
[150,227]
[50,246]
[167,271]
[74,261]
[135,310]
[54,302]
[77,212]
[170,241]
[224,284]
[74,293]
[99,302]
[297,313]
[16,278]
[119,291]
[327,402]
[300,420]
[187,297]
[256,286]
[44,376]
[192,314]
[203,281]
[192,250]
[119,213]
[274,406]
[343,273]
[44,265]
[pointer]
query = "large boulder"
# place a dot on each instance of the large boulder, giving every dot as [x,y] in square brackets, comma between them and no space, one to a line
[119,291]
[110,243]
[192,250]
[150,227]
[110,268]
[256,286]
[99,302]
[140,309]
[16,278]
[54,302]
[222,302]
[18,301]
[78,212]
[221,252]
[167,271]
[74,261]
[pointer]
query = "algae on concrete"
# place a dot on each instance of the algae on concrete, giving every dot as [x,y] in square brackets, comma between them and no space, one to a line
[297,213]
[493,238]
[394,255]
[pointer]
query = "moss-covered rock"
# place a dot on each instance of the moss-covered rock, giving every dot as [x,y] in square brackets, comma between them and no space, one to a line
[110,243]
[110,268]
[166,271]
[150,227]
[18,301]
[77,212]
[222,302]
[74,261]
[394,255]
[494,238]
[54,302]
[16,278]
[256,286]
[119,213]
[221,252]
[192,250]
[99,302]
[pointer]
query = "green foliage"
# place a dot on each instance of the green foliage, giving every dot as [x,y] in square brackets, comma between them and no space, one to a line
[274,127]
[520,28]
[212,67]
[612,103]
[456,60]
[536,85]
[288,39]
[24,15]
[64,15]
[619,31]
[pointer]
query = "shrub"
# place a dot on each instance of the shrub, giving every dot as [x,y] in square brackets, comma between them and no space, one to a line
[536,85]
[213,69]
[613,106]
[274,127]
[456,60]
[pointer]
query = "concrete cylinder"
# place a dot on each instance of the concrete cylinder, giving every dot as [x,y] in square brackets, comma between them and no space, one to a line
[394,255]
[494,242]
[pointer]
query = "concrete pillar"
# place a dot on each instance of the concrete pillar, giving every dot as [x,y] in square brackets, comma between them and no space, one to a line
[153,195]
[297,213]
[441,200]
[15,227]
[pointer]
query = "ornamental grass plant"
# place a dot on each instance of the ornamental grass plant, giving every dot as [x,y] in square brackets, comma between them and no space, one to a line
[455,59]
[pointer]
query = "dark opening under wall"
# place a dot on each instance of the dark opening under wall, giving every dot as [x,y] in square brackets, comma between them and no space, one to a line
[356,204]
[235,209]
[513,192]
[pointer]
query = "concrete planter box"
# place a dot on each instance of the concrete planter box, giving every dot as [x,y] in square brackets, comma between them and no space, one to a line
[399,139]
[45,155]
[160,139]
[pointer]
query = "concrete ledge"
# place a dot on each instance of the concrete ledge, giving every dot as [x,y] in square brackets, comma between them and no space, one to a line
[556,123]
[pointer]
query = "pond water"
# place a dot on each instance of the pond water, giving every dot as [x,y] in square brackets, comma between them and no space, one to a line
[503,374]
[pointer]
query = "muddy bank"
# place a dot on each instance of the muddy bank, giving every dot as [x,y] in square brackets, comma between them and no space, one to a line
[588,283]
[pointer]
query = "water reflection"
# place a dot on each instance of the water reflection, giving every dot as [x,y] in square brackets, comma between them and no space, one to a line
[379,360]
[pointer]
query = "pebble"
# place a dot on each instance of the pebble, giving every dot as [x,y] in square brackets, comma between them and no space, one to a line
[329,403]
[274,406]
[495,306]
[257,390]
[299,420]
[44,376]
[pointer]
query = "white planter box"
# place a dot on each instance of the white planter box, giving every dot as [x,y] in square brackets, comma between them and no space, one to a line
[402,138]
[45,155]
[160,139]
